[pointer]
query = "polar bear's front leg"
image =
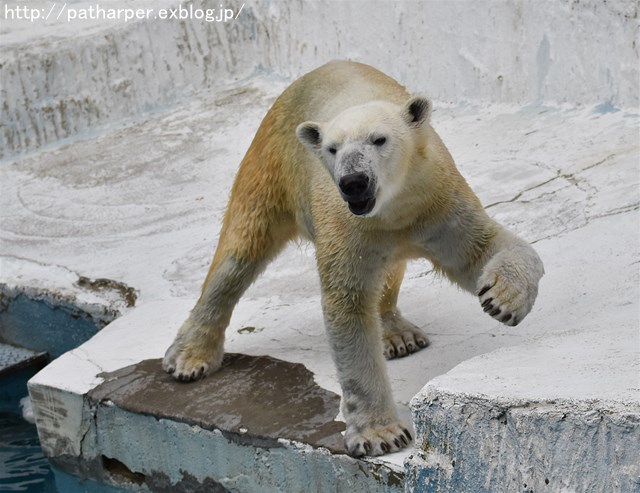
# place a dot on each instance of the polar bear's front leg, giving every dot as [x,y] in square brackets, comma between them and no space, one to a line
[353,327]
[198,348]
[508,284]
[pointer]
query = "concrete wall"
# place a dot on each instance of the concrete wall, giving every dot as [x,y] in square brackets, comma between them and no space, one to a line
[70,78]
[496,51]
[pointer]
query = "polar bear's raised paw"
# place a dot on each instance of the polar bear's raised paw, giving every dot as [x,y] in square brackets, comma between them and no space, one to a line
[508,286]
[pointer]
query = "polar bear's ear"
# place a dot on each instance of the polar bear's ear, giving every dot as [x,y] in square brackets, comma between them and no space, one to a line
[416,111]
[310,135]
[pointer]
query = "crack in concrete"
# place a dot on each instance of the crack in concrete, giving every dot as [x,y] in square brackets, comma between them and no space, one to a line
[571,178]
[520,194]
[92,422]
[613,212]
[620,210]
[574,180]
[82,354]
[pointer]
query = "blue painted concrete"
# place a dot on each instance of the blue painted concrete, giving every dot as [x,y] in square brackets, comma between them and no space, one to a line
[41,326]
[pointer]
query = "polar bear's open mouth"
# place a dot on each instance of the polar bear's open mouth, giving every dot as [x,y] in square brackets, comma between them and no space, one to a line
[362,207]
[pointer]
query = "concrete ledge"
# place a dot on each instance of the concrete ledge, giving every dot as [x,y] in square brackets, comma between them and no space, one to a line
[172,456]
[259,424]
[52,309]
[546,417]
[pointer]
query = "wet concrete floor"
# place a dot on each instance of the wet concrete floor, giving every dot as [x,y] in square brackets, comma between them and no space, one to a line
[252,400]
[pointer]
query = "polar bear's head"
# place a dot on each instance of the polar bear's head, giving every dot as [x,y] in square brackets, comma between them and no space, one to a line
[367,149]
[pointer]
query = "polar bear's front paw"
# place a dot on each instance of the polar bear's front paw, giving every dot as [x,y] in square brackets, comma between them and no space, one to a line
[376,440]
[509,284]
[189,360]
[186,367]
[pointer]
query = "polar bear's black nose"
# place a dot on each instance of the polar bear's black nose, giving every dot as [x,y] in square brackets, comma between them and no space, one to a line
[354,186]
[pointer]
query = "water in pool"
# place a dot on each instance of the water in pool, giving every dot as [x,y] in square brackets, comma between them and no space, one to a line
[23,467]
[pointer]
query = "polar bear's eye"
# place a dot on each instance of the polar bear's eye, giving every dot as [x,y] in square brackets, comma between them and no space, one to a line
[379,141]
[332,150]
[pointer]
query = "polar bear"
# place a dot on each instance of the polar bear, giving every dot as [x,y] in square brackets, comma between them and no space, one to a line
[347,159]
